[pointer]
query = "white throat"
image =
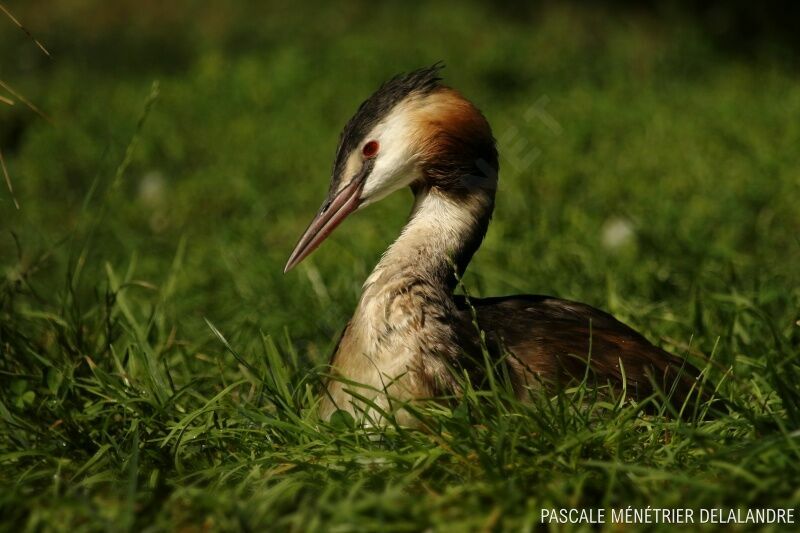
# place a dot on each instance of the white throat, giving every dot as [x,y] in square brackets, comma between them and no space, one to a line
[436,229]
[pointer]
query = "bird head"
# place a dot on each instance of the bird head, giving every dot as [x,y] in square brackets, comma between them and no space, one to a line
[412,131]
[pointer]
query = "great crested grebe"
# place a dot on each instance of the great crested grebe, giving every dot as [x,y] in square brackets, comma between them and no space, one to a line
[409,330]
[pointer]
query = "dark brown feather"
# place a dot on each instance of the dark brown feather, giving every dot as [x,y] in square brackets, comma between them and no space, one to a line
[550,340]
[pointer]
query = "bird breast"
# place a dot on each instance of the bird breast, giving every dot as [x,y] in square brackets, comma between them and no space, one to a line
[392,351]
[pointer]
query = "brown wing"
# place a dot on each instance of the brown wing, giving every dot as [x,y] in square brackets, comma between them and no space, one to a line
[551,340]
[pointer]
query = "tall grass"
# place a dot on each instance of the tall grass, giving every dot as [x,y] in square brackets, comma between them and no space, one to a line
[12,93]
[109,422]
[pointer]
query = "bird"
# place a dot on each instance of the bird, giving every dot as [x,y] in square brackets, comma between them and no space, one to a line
[410,329]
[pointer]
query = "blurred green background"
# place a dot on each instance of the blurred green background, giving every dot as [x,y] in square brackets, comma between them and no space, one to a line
[658,129]
[650,165]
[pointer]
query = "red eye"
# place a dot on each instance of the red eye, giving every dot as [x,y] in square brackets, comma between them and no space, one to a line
[370,149]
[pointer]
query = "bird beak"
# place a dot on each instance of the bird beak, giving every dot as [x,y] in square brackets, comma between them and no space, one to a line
[332,213]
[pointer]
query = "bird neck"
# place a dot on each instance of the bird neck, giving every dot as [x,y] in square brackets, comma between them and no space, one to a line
[445,228]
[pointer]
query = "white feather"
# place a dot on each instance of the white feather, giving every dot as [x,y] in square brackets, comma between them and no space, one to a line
[396,165]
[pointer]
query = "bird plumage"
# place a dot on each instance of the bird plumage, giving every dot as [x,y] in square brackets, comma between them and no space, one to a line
[409,330]
[552,339]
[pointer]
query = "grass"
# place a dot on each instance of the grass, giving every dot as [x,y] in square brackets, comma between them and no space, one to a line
[157,371]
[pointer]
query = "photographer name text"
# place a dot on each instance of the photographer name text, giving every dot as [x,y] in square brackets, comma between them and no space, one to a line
[662,515]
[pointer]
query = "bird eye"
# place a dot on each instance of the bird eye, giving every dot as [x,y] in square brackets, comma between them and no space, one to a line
[370,149]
